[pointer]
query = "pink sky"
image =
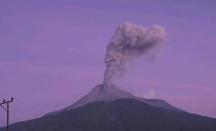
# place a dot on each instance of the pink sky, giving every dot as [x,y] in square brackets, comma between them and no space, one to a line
[52,53]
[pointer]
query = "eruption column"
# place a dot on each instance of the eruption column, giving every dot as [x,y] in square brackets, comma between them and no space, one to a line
[128,42]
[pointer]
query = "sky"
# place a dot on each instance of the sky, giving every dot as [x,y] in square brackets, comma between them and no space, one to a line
[52,53]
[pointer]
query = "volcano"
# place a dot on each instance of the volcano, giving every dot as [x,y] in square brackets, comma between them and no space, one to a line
[111,92]
[118,115]
[109,108]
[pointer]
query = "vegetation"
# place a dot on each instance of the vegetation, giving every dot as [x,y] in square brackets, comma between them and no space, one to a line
[119,115]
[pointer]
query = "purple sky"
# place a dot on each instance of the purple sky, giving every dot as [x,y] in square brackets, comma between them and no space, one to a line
[52,53]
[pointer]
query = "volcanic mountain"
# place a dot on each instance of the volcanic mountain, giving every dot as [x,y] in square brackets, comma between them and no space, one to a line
[118,115]
[110,93]
[108,108]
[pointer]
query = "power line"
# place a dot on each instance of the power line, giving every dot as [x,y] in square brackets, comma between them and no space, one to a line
[17,105]
[27,109]
[30,106]
[19,110]
[1,97]
[25,104]
[7,110]
[5,95]
[11,107]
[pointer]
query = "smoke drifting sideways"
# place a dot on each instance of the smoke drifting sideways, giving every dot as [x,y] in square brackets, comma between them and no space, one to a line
[128,42]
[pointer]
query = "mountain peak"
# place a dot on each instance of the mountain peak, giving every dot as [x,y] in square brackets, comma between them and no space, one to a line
[111,92]
[102,93]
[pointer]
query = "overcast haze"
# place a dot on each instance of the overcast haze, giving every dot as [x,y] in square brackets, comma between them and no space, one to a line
[52,53]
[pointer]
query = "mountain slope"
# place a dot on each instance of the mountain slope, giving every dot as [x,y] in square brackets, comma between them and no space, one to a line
[111,93]
[159,103]
[118,115]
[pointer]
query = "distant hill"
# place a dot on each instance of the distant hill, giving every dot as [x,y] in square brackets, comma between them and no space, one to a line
[159,103]
[118,115]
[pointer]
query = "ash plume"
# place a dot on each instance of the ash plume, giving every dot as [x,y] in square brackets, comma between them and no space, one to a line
[128,42]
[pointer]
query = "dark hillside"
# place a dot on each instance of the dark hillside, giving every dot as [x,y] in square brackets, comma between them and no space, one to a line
[119,115]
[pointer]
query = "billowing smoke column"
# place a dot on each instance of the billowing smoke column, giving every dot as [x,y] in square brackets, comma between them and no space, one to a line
[130,41]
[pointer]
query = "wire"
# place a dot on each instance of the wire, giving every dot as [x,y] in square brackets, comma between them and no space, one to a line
[25,103]
[30,106]
[26,109]
[19,110]
[2,98]
[21,118]
[5,95]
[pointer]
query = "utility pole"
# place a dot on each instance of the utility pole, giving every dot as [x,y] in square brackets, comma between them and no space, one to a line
[7,110]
